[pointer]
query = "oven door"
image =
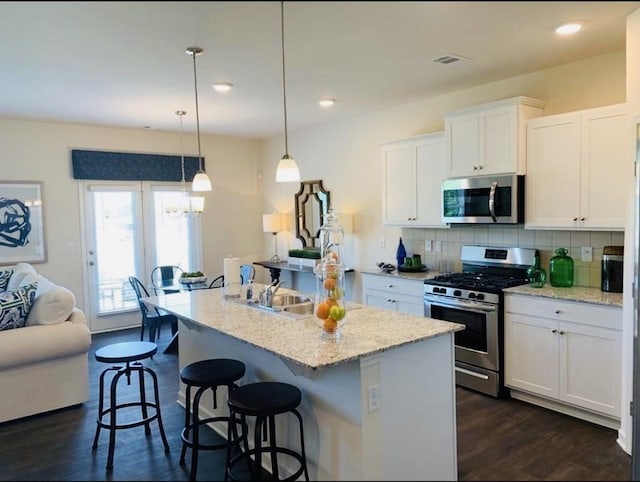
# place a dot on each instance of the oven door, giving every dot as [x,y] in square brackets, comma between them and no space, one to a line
[477,344]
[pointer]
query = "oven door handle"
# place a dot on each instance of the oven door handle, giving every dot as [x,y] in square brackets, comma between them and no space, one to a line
[473,374]
[475,307]
[492,201]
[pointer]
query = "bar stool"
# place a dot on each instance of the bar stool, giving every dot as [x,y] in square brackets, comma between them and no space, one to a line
[206,374]
[265,400]
[125,358]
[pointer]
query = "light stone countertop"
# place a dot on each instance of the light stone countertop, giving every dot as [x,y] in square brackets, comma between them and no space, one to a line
[581,294]
[367,330]
[405,275]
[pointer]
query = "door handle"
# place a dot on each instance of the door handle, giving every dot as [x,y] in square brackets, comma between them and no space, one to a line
[91,263]
[492,201]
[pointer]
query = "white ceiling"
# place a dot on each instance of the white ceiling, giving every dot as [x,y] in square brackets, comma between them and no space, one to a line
[124,63]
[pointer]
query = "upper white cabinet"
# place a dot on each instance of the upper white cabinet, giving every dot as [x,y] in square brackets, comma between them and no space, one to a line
[413,172]
[489,138]
[578,169]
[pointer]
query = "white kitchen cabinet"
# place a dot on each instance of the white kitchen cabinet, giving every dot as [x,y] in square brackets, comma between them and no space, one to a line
[564,351]
[393,293]
[413,171]
[489,138]
[578,166]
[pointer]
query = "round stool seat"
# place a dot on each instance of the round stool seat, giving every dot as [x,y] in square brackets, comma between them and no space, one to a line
[264,398]
[127,351]
[124,360]
[204,375]
[217,371]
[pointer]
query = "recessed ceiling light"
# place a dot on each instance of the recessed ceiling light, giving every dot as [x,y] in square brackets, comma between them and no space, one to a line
[569,28]
[326,102]
[222,87]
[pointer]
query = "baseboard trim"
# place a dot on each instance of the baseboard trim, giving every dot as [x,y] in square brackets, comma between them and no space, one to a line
[566,409]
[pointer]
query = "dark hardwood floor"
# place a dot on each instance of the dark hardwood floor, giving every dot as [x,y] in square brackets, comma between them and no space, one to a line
[497,439]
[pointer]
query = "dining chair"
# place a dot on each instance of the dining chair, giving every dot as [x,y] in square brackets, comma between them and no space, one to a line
[217,282]
[247,273]
[163,276]
[152,318]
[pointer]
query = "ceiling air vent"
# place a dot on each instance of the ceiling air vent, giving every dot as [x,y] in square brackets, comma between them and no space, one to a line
[449,59]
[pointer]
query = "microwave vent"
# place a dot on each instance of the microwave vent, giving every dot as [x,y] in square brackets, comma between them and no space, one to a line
[449,59]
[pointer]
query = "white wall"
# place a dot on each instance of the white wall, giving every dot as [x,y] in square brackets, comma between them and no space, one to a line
[41,151]
[346,155]
[625,433]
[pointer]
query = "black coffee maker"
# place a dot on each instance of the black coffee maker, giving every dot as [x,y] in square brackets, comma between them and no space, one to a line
[612,269]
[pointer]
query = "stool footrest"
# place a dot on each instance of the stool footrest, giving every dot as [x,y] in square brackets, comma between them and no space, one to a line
[246,456]
[202,446]
[137,423]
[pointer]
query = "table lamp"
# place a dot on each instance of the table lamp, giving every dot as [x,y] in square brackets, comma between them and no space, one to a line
[272,223]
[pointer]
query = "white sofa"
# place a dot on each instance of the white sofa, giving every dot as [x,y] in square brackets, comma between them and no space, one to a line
[43,365]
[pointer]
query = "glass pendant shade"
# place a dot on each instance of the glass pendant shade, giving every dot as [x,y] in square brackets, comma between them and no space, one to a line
[201,182]
[287,170]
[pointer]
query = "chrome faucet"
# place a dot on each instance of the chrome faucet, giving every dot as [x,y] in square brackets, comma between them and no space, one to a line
[265,298]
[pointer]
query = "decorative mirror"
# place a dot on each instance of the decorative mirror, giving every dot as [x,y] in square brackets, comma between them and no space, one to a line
[312,206]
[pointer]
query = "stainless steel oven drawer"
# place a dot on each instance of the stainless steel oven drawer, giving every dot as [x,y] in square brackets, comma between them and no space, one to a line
[479,379]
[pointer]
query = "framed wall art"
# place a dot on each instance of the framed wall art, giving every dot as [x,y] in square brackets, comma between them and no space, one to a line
[21,223]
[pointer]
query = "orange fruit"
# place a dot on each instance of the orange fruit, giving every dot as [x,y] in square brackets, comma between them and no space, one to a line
[329,325]
[330,302]
[322,311]
[330,283]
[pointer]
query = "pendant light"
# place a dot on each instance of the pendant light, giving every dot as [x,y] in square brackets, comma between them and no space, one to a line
[187,206]
[201,181]
[287,170]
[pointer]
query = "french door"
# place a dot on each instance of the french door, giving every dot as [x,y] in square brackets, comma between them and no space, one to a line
[127,232]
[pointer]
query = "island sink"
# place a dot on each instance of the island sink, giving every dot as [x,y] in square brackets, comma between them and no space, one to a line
[289,300]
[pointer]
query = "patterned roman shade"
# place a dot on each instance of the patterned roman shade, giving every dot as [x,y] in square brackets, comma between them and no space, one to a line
[128,166]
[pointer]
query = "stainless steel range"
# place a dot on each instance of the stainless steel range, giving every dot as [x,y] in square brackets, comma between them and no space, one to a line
[474,298]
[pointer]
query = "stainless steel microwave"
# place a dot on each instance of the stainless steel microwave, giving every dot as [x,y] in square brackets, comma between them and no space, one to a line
[483,200]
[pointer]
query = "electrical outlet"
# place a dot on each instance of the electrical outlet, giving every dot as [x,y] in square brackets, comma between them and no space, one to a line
[438,246]
[587,254]
[374,398]
[427,246]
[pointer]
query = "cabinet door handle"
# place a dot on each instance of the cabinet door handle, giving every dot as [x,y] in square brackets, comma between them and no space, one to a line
[391,301]
[562,332]
[575,219]
[554,331]
[557,312]
[479,167]
[582,219]
[475,168]
[391,286]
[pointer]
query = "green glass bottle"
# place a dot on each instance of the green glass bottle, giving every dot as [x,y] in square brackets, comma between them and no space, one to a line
[561,269]
[536,275]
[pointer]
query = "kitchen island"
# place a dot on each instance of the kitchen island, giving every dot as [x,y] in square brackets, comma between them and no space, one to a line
[379,404]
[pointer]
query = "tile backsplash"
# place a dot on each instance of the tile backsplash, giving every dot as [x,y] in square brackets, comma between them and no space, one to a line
[446,244]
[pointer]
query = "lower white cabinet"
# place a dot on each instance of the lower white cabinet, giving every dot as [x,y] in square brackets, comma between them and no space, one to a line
[565,351]
[393,293]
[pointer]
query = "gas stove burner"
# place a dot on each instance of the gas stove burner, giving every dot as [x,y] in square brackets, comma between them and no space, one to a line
[477,280]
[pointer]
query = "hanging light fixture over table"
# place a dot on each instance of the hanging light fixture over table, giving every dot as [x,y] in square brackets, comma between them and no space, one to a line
[287,170]
[188,206]
[201,181]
